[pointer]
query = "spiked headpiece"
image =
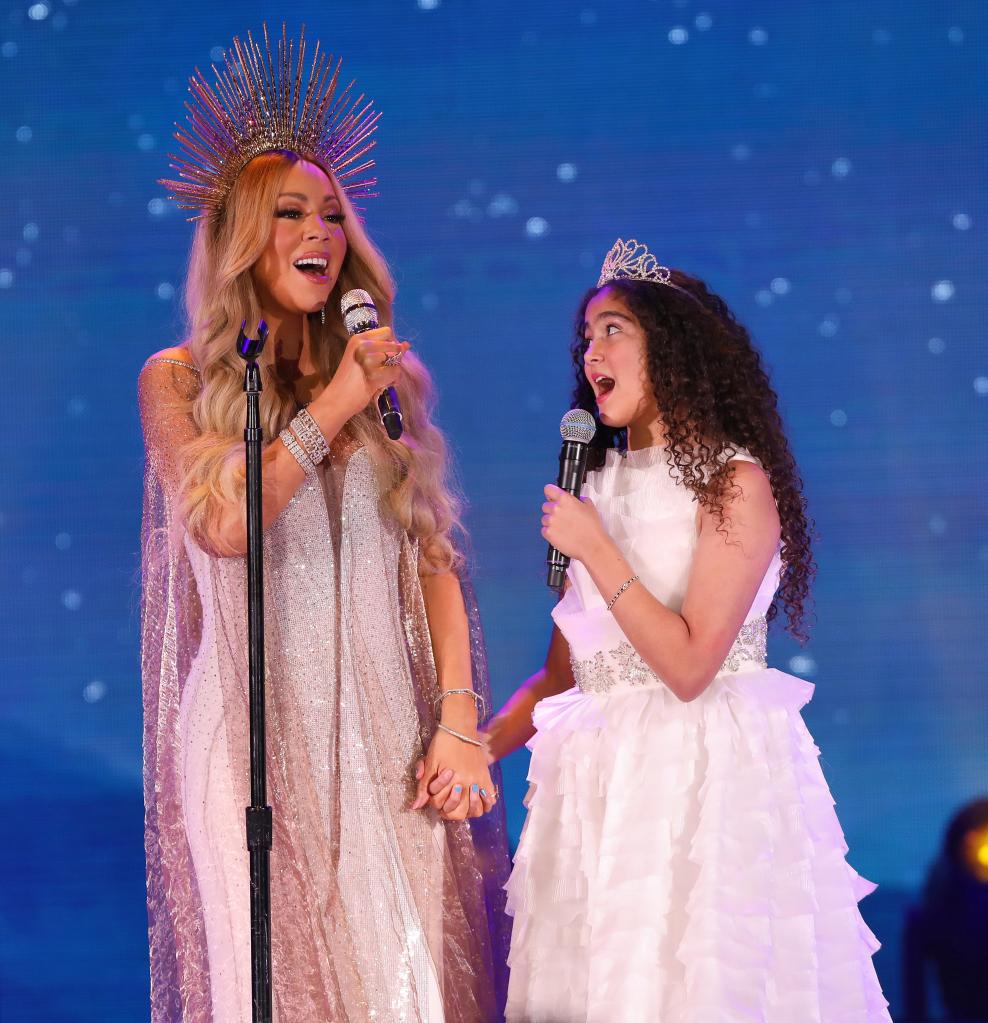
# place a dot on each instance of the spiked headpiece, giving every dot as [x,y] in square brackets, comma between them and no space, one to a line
[258,104]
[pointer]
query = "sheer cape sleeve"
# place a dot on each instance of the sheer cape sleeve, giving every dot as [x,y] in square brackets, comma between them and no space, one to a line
[170,632]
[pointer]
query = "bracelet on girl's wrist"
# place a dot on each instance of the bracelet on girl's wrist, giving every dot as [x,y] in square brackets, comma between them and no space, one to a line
[622,590]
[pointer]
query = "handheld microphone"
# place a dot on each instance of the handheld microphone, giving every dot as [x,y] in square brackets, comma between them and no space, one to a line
[577,428]
[360,314]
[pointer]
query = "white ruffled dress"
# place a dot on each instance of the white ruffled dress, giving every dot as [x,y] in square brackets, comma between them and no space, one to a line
[681,862]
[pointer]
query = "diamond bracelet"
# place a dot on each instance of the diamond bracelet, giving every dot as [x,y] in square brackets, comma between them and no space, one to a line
[306,429]
[614,599]
[288,439]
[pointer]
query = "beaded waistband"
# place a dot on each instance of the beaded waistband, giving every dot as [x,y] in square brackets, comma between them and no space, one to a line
[622,667]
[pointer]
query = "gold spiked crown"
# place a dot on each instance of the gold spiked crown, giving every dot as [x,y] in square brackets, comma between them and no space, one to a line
[631,259]
[258,104]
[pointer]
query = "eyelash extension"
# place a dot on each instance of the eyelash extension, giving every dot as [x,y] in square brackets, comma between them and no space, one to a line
[290,214]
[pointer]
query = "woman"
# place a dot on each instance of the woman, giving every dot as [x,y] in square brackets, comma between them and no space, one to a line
[681,860]
[372,653]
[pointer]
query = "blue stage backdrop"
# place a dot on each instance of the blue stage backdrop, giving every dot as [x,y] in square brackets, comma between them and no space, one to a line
[822,165]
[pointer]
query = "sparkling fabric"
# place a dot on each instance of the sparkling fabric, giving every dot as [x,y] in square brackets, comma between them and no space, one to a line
[622,666]
[378,912]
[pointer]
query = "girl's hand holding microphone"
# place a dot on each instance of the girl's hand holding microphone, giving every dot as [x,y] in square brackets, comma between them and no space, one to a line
[572,525]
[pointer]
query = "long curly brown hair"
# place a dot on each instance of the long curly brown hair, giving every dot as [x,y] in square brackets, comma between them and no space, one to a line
[714,397]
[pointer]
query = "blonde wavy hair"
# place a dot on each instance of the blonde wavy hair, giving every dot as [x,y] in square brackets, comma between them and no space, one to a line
[220,295]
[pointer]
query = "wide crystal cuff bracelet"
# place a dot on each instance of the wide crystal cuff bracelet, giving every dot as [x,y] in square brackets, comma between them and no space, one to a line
[298,453]
[306,429]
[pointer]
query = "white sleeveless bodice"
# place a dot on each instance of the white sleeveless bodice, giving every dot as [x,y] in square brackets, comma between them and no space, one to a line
[653,520]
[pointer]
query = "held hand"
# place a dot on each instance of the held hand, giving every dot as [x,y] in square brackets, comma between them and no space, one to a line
[364,370]
[454,778]
[571,525]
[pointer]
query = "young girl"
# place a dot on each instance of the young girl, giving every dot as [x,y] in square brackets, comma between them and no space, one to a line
[681,861]
[379,906]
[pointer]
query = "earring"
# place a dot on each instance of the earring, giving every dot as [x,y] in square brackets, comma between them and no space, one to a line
[322,315]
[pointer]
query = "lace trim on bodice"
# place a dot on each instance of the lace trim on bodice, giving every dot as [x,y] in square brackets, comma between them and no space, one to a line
[622,667]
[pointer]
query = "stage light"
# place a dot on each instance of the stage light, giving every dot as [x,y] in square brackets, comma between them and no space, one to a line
[947,929]
[974,849]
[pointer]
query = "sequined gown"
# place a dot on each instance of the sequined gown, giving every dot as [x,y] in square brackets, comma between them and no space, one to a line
[680,862]
[379,913]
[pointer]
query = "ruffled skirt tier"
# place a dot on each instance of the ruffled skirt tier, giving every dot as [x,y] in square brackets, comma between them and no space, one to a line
[683,863]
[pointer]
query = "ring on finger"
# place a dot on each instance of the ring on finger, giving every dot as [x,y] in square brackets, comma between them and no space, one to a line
[394,359]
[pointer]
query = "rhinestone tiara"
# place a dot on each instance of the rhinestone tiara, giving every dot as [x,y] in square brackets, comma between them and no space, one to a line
[258,104]
[631,259]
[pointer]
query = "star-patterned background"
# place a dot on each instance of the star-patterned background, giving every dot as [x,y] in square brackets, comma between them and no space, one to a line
[823,166]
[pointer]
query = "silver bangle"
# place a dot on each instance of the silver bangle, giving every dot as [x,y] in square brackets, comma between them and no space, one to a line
[477,698]
[288,439]
[306,429]
[613,599]
[459,735]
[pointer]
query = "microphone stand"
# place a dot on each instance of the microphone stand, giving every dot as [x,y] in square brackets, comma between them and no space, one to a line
[259,820]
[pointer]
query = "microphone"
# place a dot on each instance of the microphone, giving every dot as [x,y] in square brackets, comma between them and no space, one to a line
[360,314]
[577,428]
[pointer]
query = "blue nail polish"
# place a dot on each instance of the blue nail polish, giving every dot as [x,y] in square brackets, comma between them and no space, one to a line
[457,789]
[483,792]
[474,789]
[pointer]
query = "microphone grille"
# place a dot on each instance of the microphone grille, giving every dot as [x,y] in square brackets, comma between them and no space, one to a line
[359,311]
[578,425]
